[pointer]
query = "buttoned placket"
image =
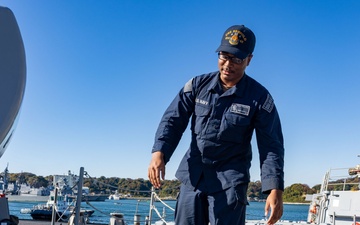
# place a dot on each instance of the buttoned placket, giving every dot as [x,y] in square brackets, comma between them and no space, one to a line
[221,104]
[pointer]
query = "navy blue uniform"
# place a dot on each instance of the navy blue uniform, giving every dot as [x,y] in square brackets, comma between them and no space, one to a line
[222,125]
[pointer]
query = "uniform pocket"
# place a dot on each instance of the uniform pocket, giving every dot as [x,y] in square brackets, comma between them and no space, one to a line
[236,196]
[201,116]
[234,127]
[241,193]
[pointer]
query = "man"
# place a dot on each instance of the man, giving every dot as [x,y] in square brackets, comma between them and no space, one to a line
[225,108]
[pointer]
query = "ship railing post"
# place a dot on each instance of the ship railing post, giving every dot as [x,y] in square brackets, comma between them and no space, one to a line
[354,219]
[137,217]
[151,204]
[53,216]
[79,196]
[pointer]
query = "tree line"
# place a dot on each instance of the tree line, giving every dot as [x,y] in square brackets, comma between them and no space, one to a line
[170,188]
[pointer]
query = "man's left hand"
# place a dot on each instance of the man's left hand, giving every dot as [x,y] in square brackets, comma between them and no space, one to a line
[274,202]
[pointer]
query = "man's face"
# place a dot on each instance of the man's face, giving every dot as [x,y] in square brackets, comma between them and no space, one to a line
[231,68]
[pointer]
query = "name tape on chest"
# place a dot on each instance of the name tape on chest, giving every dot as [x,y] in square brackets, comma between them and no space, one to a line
[240,109]
[202,102]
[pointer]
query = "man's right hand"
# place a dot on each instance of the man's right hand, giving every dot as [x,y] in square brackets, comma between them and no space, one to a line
[156,169]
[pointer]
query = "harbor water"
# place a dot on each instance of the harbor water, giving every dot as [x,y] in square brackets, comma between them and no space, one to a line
[131,207]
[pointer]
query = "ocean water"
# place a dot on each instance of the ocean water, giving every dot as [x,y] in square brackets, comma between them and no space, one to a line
[130,207]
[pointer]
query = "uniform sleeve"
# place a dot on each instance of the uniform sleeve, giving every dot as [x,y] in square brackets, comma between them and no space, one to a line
[175,121]
[270,144]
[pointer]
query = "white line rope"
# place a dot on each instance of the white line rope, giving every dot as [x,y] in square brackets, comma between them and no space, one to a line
[161,218]
[156,196]
[153,207]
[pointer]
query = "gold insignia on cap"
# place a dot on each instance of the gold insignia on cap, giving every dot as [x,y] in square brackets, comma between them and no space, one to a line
[235,37]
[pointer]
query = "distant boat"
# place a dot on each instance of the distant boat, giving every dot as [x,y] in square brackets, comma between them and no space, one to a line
[65,182]
[21,192]
[117,196]
[63,208]
[44,211]
[89,197]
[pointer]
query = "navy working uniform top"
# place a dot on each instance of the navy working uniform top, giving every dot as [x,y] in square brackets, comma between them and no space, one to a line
[222,124]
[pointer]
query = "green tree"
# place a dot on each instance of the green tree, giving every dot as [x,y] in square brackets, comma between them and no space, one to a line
[296,193]
[170,188]
[254,190]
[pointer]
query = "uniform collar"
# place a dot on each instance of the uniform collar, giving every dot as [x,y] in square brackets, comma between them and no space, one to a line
[239,89]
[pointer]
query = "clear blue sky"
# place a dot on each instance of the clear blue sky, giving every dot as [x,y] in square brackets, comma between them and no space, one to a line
[101,73]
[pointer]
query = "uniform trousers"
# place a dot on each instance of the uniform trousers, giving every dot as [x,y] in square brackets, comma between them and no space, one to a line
[200,207]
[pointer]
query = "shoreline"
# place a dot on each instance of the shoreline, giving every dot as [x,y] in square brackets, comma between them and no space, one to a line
[35,198]
[27,198]
[297,203]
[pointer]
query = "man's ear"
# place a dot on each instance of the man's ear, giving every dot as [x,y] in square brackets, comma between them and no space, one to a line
[249,59]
